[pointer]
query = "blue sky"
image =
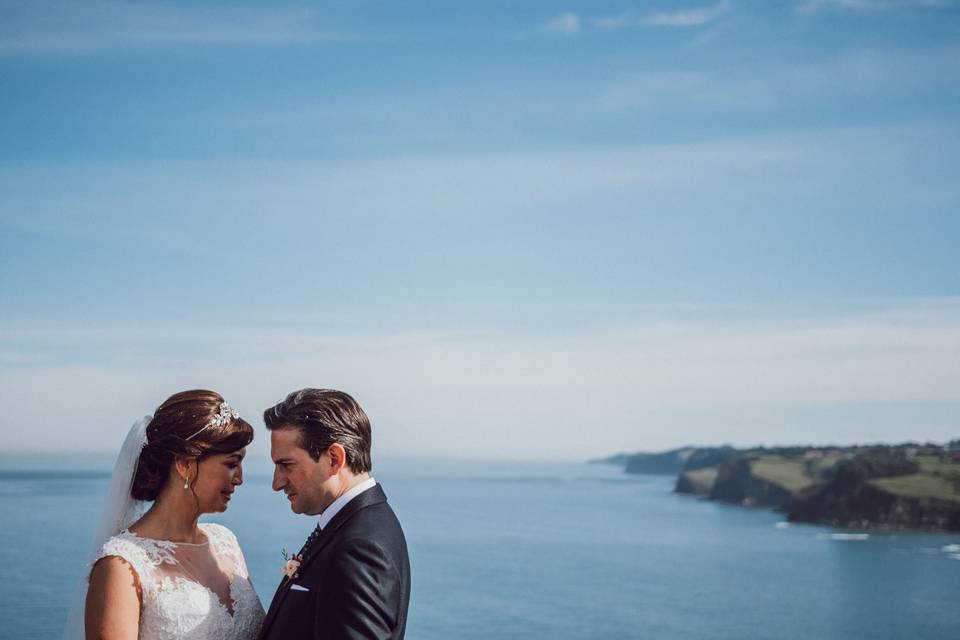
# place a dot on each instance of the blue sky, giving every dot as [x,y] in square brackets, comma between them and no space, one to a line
[520,229]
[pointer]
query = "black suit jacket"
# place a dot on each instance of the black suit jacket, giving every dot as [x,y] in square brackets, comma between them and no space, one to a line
[358,575]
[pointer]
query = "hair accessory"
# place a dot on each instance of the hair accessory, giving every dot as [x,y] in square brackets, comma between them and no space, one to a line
[223,417]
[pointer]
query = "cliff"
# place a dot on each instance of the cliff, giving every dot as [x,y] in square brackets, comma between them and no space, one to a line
[869,506]
[700,472]
[736,483]
[894,487]
[885,489]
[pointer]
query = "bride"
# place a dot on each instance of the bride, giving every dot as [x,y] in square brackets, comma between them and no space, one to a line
[164,575]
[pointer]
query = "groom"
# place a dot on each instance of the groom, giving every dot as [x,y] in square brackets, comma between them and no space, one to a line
[353,576]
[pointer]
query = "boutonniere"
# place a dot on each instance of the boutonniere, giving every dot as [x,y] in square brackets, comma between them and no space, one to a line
[291,564]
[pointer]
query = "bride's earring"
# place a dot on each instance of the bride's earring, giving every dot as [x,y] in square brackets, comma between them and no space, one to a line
[186,483]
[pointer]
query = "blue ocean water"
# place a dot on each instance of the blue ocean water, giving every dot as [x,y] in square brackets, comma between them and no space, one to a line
[558,551]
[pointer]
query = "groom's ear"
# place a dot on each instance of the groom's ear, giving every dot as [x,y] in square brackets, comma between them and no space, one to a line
[338,457]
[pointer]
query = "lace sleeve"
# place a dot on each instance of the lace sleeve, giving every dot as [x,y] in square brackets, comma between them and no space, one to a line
[135,555]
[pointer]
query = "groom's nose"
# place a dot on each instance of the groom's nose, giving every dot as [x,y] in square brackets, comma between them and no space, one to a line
[278,480]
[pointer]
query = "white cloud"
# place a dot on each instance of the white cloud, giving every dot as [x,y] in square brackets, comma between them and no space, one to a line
[92,198]
[243,199]
[871,376]
[865,75]
[810,6]
[567,24]
[692,17]
[57,27]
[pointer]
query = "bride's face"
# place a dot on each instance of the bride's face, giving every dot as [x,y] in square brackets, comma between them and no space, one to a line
[217,478]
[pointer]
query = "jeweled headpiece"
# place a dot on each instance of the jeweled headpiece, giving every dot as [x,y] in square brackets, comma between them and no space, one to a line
[223,417]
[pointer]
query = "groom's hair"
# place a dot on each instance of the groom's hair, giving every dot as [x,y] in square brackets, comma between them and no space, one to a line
[325,416]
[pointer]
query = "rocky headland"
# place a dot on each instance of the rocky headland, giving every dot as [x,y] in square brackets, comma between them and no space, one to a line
[906,486]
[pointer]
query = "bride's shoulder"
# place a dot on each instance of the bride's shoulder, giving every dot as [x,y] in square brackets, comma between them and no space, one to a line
[136,551]
[123,542]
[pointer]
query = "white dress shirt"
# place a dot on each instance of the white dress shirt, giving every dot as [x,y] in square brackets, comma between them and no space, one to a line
[342,501]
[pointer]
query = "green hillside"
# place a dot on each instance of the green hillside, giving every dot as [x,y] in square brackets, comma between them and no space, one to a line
[908,486]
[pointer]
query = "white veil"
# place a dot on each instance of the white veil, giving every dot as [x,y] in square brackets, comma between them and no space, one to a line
[120,510]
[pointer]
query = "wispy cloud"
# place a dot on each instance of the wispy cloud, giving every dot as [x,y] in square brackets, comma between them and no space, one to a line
[654,384]
[892,76]
[567,24]
[411,187]
[810,6]
[692,17]
[56,27]
[229,199]
[571,24]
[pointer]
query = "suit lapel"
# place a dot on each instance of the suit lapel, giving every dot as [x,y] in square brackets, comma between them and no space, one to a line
[278,597]
[373,495]
[283,589]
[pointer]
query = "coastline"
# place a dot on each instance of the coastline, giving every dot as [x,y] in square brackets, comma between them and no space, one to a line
[903,487]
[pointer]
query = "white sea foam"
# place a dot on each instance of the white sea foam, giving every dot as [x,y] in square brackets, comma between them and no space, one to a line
[844,536]
[951,548]
[782,525]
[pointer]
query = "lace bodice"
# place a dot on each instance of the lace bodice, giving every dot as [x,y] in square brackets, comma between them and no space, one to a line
[191,592]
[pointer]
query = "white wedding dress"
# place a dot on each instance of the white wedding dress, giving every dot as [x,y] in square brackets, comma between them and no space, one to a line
[191,591]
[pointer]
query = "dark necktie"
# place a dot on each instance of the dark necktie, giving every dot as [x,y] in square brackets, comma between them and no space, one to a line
[313,538]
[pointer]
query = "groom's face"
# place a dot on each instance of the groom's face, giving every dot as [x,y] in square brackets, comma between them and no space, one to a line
[299,476]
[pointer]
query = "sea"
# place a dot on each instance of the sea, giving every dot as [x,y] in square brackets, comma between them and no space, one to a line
[539,550]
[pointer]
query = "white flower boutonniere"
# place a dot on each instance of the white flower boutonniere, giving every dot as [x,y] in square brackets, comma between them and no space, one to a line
[291,565]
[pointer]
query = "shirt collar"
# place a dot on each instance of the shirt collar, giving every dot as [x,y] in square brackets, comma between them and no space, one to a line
[342,501]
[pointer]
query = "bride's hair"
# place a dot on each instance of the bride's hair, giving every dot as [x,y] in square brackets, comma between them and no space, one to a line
[189,424]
